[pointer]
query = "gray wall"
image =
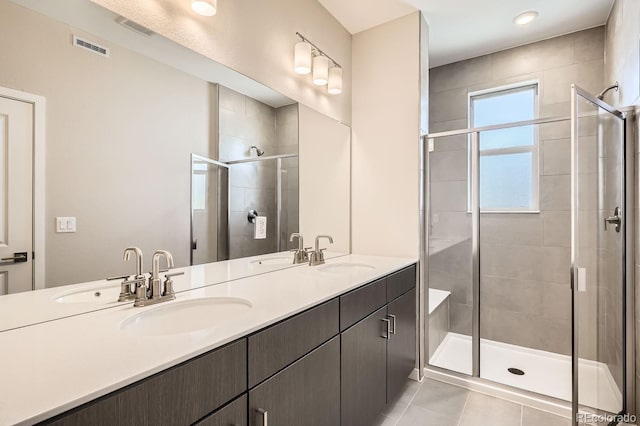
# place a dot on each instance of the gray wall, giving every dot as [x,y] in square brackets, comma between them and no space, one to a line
[524,275]
[119,135]
[245,122]
[623,65]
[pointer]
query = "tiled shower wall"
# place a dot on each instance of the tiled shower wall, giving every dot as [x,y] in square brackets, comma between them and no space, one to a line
[525,296]
[244,122]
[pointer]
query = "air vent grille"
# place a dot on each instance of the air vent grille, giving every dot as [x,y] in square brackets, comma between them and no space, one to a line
[134,26]
[90,46]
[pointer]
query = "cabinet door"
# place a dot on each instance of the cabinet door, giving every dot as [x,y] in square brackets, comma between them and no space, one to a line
[233,414]
[307,393]
[364,358]
[177,396]
[401,351]
[276,347]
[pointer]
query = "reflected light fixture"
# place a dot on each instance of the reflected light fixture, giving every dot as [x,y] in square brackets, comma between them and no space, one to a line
[325,71]
[302,58]
[526,17]
[204,7]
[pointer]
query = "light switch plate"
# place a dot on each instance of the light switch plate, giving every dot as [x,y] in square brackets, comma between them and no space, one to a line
[65,224]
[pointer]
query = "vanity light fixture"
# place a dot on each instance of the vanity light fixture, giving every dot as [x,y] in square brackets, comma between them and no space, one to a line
[303,58]
[320,70]
[335,80]
[526,17]
[325,71]
[204,7]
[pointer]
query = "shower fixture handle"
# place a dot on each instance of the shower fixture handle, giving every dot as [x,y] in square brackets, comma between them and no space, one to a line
[615,219]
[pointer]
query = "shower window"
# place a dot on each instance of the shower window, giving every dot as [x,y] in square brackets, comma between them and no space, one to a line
[508,157]
[199,186]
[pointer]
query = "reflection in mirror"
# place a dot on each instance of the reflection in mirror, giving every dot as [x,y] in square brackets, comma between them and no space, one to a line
[120,131]
[209,210]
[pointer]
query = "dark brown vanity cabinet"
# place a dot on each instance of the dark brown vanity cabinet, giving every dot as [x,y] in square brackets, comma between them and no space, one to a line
[401,345]
[336,364]
[378,352]
[307,393]
[181,395]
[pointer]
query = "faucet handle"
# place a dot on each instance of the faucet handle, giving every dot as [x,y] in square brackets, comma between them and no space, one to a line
[168,284]
[119,277]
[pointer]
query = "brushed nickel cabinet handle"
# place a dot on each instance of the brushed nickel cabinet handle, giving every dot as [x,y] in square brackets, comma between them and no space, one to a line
[393,324]
[387,328]
[265,416]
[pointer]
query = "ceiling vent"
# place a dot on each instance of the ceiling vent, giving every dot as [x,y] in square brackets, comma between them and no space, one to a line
[90,46]
[134,26]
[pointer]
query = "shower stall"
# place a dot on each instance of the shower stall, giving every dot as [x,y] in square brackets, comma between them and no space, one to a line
[526,289]
[226,196]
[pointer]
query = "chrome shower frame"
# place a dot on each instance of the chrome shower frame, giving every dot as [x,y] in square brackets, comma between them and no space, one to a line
[474,381]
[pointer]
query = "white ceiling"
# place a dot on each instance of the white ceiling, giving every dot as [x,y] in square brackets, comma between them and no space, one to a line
[462,29]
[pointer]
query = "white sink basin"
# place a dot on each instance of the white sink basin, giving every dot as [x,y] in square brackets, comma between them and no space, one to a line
[186,316]
[338,268]
[98,295]
[275,260]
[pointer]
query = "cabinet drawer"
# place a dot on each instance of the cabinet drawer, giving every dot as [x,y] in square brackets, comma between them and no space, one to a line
[361,302]
[307,393]
[276,347]
[400,282]
[178,396]
[233,414]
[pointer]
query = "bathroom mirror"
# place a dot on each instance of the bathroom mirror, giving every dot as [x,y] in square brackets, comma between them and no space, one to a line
[125,112]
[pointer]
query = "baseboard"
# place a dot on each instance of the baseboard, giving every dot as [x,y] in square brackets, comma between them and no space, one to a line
[415,375]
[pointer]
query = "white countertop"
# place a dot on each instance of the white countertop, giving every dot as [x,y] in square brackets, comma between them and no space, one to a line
[51,367]
[33,307]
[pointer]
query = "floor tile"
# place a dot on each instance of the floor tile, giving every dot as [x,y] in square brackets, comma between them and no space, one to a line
[418,416]
[383,420]
[486,410]
[533,417]
[395,408]
[441,398]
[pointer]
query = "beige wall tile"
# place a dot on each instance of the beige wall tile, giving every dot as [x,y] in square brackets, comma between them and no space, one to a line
[511,229]
[556,228]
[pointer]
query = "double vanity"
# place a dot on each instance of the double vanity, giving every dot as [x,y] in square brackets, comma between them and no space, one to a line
[305,345]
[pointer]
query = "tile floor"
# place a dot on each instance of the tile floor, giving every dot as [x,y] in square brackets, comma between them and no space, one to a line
[440,404]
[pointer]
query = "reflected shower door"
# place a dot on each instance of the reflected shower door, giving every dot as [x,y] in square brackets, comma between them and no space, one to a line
[450,257]
[209,210]
[598,256]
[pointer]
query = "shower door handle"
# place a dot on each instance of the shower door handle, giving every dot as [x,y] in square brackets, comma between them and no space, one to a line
[615,219]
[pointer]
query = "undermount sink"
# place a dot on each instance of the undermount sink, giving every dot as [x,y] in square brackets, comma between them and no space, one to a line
[275,260]
[98,295]
[338,268]
[187,316]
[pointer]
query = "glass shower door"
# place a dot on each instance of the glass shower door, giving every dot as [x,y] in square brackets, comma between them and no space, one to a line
[450,260]
[598,257]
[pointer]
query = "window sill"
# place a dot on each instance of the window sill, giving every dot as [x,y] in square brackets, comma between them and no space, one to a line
[507,211]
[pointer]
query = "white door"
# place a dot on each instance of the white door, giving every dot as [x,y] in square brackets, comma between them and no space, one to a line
[16,198]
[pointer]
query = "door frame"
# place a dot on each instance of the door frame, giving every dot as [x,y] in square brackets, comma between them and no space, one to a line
[39,168]
[578,92]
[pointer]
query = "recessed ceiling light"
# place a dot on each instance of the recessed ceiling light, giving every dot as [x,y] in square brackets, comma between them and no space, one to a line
[526,17]
[204,7]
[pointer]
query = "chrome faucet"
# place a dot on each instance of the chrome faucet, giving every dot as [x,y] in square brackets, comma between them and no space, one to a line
[127,292]
[154,292]
[316,257]
[300,254]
